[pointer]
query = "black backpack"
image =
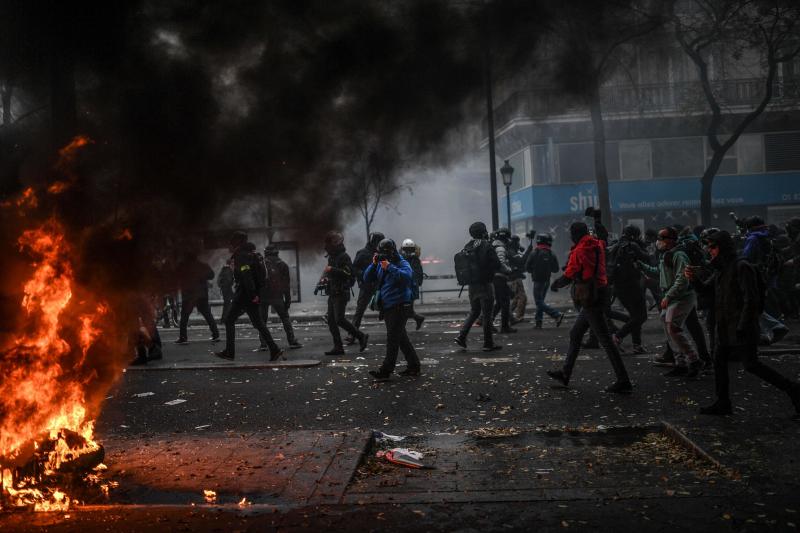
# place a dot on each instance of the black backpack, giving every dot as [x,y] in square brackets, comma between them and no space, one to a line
[693,251]
[468,268]
[620,263]
[542,264]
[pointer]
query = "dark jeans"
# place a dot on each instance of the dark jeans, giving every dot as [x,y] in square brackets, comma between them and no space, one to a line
[749,356]
[481,300]
[594,318]
[397,340]
[365,293]
[254,314]
[502,301]
[336,319]
[202,306]
[280,308]
[539,294]
[698,335]
[227,299]
[633,300]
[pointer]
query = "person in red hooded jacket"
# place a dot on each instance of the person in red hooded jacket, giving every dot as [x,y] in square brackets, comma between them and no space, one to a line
[587,261]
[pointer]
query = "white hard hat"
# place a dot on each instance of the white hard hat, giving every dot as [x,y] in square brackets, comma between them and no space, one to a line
[408,243]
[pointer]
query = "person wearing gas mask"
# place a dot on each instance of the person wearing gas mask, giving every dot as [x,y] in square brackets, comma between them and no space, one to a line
[338,278]
[278,294]
[394,278]
[411,253]
[586,269]
[365,290]
[251,277]
[476,266]
[502,294]
[628,284]
[677,302]
[738,300]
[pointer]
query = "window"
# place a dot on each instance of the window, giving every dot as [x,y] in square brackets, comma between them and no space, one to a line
[542,173]
[751,154]
[782,151]
[576,162]
[635,159]
[522,172]
[674,158]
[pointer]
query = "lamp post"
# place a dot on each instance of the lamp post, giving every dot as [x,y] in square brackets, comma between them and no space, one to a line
[507,171]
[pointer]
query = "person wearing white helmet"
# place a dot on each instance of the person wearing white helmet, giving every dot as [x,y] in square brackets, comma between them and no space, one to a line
[411,253]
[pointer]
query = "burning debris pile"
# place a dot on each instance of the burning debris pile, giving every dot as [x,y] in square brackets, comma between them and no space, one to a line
[50,370]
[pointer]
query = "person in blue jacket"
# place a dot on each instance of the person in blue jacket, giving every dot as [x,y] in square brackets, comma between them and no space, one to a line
[393,276]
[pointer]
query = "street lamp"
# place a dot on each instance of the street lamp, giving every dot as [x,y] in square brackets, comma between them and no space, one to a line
[507,171]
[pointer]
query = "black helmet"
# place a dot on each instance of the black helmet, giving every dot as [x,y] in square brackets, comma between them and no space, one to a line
[577,231]
[706,233]
[632,232]
[724,241]
[478,230]
[504,234]
[387,246]
[333,238]
[271,249]
[544,238]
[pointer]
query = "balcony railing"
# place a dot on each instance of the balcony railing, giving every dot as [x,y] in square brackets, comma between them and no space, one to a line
[651,98]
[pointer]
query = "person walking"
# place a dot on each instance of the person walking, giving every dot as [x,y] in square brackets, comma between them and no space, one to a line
[339,280]
[394,278]
[365,290]
[250,277]
[541,265]
[476,266]
[193,278]
[739,297]
[411,253]
[278,295]
[225,284]
[628,283]
[586,269]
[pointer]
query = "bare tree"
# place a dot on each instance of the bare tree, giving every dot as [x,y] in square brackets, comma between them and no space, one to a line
[377,183]
[729,29]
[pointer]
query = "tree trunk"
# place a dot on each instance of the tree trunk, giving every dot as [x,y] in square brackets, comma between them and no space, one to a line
[706,184]
[600,171]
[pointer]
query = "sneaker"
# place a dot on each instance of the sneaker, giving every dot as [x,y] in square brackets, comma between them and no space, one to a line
[694,369]
[276,354]
[214,338]
[620,387]
[664,360]
[411,372]
[224,355]
[419,322]
[559,376]
[262,348]
[638,349]
[335,351]
[718,408]
[293,344]
[362,342]
[379,375]
[182,341]
[491,348]
[508,329]
[677,372]
[461,341]
[538,325]
[560,319]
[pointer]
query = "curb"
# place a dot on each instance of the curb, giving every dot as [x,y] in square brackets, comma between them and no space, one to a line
[681,438]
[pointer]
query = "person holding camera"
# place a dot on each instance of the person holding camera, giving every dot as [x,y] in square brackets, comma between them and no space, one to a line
[337,281]
[586,269]
[393,276]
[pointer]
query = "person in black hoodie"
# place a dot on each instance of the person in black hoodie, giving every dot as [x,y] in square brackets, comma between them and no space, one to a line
[250,277]
[193,277]
[339,279]
[366,289]
[541,265]
[738,302]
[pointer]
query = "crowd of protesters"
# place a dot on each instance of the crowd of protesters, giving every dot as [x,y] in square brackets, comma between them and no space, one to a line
[719,295]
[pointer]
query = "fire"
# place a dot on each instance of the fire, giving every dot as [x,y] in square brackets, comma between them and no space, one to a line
[210,496]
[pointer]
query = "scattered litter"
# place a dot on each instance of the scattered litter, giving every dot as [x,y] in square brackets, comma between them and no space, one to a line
[204,426]
[494,433]
[175,402]
[143,394]
[409,459]
[123,426]
[380,437]
[402,451]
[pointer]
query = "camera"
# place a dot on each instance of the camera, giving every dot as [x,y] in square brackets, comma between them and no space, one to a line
[383,257]
[593,212]
[531,234]
[322,287]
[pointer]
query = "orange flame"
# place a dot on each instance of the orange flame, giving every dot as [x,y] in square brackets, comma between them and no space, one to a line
[125,235]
